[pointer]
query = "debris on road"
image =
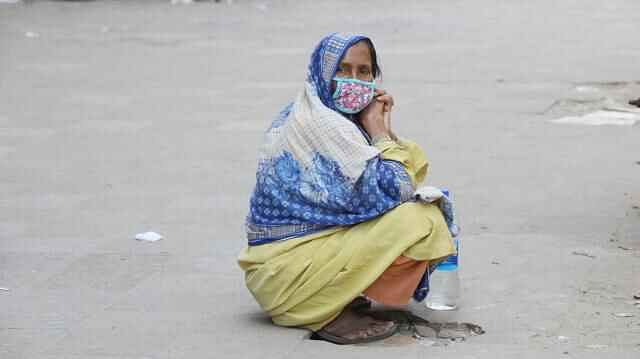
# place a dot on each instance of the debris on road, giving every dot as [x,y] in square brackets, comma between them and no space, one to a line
[600,118]
[148,236]
[623,315]
[582,253]
[4,289]
[596,346]
[596,104]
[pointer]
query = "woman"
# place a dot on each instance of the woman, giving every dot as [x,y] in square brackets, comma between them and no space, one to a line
[332,216]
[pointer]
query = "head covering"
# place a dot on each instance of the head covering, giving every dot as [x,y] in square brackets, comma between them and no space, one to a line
[317,169]
[325,60]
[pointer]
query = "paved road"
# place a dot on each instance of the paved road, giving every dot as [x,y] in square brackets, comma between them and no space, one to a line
[123,117]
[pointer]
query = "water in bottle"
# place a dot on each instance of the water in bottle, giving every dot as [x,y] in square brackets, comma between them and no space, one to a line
[444,283]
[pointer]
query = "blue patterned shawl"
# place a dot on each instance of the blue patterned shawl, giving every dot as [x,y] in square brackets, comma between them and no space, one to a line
[317,168]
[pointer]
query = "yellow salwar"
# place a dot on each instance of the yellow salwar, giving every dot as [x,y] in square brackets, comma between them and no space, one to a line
[307,281]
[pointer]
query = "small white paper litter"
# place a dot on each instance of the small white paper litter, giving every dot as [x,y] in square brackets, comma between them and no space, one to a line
[4,289]
[596,346]
[563,339]
[148,236]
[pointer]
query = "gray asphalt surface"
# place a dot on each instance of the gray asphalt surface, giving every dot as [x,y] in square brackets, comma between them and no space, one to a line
[119,117]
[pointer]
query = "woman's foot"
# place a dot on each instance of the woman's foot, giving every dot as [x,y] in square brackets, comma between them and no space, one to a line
[351,327]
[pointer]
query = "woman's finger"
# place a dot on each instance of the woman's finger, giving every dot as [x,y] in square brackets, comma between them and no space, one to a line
[387,99]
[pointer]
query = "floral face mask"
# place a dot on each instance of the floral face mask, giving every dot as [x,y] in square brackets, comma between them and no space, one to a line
[351,95]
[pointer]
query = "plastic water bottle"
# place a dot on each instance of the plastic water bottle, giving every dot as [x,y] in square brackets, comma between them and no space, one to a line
[444,282]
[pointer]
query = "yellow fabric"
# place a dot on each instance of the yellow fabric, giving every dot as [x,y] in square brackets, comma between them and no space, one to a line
[409,154]
[307,281]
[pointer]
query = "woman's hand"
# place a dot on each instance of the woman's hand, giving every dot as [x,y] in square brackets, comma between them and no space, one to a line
[382,96]
[387,99]
[376,118]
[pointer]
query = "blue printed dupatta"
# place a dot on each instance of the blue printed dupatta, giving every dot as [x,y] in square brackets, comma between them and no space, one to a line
[317,169]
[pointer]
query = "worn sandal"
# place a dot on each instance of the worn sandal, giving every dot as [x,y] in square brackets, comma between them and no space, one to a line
[324,335]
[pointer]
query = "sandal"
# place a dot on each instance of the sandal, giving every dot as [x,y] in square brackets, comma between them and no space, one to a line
[350,322]
[326,336]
